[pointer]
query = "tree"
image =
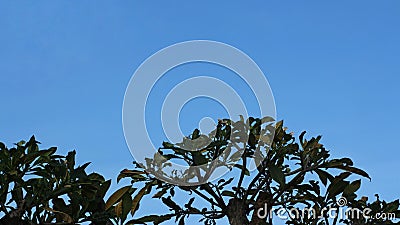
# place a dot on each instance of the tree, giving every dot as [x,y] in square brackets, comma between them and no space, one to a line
[35,185]
[40,187]
[291,176]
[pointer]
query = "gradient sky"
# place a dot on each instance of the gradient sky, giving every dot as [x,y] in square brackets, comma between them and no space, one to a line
[333,68]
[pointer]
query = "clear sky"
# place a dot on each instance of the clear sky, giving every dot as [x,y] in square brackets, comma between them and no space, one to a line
[333,68]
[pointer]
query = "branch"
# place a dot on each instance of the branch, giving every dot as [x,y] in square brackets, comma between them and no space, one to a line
[256,178]
[210,191]
[288,185]
[336,216]
[210,200]
[243,170]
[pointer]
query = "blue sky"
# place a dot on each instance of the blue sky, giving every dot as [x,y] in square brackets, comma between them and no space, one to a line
[333,68]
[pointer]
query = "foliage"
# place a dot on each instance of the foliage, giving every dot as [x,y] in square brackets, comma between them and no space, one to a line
[40,187]
[291,175]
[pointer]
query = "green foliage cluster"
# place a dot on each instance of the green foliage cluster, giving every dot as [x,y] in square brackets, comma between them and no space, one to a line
[40,187]
[291,174]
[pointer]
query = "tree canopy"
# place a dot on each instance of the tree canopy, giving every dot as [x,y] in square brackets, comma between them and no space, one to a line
[294,177]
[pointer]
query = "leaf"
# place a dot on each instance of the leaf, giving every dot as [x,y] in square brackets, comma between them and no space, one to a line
[225,182]
[71,159]
[167,145]
[334,163]
[160,193]
[195,134]
[130,173]
[65,217]
[228,193]
[353,187]
[151,218]
[29,158]
[391,207]
[136,200]
[354,170]
[118,209]
[301,137]
[252,140]
[277,175]
[96,177]
[171,204]
[336,188]
[79,172]
[198,158]
[126,206]
[267,119]
[189,204]
[116,196]
[324,176]
[236,156]
[103,188]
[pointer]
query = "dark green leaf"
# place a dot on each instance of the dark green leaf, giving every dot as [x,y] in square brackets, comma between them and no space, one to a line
[136,200]
[228,193]
[116,196]
[171,204]
[277,175]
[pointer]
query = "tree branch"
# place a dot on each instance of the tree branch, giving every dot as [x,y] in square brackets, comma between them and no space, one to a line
[242,173]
